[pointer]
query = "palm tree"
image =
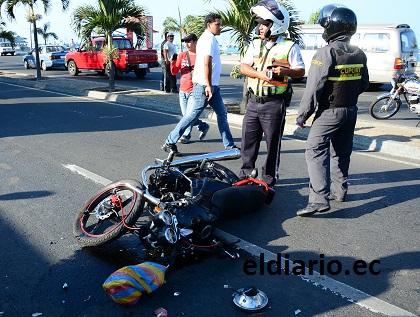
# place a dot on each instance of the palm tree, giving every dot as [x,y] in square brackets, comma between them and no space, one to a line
[106,17]
[32,18]
[45,34]
[238,20]
[7,35]
[191,24]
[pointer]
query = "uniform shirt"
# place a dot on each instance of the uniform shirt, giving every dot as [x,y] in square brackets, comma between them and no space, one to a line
[318,77]
[207,45]
[181,64]
[294,58]
[171,49]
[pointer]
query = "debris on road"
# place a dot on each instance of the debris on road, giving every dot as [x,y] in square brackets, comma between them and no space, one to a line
[297,312]
[87,299]
[161,312]
[65,286]
[36,314]
[177,293]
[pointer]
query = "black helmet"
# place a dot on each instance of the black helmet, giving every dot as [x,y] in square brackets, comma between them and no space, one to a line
[337,20]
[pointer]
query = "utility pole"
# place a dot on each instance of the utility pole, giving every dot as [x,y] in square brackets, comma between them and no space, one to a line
[30,33]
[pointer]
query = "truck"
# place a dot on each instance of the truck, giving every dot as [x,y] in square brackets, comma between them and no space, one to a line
[91,57]
[6,48]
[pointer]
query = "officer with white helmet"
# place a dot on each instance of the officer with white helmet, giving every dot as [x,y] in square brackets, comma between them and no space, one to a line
[269,62]
[337,76]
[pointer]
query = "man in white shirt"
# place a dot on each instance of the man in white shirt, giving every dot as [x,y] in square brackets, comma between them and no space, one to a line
[169,51]
[206,89]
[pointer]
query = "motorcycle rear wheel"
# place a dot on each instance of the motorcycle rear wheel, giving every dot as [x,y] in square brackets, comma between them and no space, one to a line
[377,109]
[91,231]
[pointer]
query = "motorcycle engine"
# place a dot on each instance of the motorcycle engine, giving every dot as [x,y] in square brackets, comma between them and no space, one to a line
[414,104]
[168,184]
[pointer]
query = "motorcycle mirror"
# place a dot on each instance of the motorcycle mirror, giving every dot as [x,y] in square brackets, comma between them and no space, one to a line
[254,173]
[171,156]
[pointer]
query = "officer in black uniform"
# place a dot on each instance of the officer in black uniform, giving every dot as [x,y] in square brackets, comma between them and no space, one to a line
[337,76]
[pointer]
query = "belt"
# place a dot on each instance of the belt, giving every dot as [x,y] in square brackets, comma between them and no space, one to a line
[264,99]
[336,106]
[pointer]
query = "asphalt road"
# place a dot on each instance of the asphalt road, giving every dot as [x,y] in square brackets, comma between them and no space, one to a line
[41,132]
[231,88]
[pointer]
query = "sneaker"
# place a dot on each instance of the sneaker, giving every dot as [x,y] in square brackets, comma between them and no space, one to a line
[184,140]
[340,199]
[203,132]
[232,147]
[312,208]
[170,148]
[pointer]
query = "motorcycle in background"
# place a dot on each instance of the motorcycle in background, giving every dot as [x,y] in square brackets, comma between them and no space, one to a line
[174,208]
[387,105]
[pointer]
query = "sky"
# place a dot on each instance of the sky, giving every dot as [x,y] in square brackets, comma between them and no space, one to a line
[367,12]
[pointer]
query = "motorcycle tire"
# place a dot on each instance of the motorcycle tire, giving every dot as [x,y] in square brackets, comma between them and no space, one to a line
[376,108]
[91,231]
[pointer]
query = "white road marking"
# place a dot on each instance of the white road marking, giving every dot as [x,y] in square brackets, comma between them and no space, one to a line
[348,292]
[177,116]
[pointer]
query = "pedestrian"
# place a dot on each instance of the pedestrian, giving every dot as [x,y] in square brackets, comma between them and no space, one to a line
[337,76]
[268,63]
[162,63]
[185,64]
[206,89]
[169,50]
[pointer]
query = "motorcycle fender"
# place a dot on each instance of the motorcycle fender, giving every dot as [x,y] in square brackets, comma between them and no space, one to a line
[387,94]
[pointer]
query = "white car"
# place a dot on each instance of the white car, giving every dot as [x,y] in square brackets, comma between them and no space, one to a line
[6,48]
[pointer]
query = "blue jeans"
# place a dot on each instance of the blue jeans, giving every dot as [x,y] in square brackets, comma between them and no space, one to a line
[200,102]
[186,103]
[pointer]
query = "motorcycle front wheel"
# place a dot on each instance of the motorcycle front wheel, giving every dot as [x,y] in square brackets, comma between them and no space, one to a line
[384,108]
[100,220]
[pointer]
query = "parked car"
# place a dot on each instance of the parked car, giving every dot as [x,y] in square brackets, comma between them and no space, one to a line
[129,59]
[387,48]
[50,56]
[6,48]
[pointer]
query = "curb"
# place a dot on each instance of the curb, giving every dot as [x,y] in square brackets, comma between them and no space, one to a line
[151,101]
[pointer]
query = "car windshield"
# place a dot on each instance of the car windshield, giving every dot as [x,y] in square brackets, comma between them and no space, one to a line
[122,43]
[408,41]
[51,49]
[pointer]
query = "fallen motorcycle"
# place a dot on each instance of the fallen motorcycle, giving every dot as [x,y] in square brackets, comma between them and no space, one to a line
[174,208]
[387,105]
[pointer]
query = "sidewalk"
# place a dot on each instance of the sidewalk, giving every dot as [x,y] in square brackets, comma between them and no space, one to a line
[381,136]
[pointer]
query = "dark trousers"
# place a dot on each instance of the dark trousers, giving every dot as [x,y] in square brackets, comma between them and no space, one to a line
[169,80]
[328,150]
[267,118]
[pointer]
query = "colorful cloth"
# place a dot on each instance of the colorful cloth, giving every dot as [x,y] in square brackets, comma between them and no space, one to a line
[128,284]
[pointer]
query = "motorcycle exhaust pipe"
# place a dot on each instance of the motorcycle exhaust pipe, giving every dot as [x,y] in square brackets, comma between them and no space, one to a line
[225,155]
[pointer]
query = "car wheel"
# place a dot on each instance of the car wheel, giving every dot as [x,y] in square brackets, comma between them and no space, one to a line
[72,68]
[26,64]
[43,66]
[13,54]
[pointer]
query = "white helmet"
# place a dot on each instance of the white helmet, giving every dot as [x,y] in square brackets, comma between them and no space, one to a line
[271,10]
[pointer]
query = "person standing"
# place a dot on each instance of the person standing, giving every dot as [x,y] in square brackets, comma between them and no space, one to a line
[337,76]
[206,89]
[268,63]
[162,63]
[169,50]
[185,64]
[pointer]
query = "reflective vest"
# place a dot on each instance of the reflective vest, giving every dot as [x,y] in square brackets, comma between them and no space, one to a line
[277,54]
[344,82]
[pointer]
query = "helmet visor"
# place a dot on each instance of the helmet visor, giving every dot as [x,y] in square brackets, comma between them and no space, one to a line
[325,14]
[273,7]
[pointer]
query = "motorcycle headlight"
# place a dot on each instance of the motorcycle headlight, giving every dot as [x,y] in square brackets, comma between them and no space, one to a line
[170,235]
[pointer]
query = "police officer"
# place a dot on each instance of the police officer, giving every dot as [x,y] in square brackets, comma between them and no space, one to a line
[268,63]
[337,76]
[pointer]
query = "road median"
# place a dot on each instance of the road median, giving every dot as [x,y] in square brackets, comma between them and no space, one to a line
[377,136]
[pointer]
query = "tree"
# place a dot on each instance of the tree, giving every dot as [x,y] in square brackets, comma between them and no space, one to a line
[7,35]
[32,18]
[238,20]
[44,32]
[191,24]
[313,18]
[106,17]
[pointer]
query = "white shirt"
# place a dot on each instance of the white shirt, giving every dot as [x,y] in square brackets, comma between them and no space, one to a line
[295,56]
[171,49]
[207,45]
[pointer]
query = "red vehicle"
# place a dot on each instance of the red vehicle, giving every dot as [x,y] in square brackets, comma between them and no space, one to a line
[129,59]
